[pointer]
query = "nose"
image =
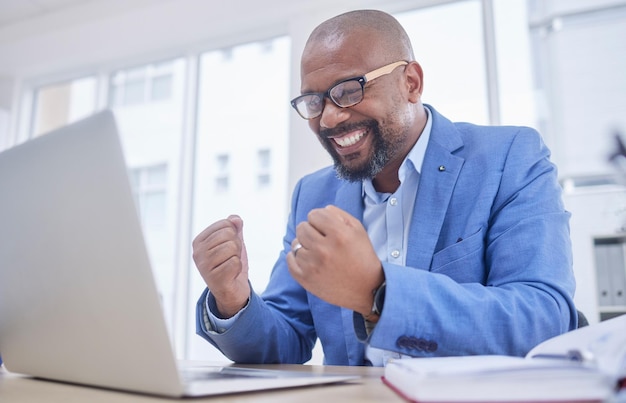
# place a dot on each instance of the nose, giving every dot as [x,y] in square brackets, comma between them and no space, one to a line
[332,115]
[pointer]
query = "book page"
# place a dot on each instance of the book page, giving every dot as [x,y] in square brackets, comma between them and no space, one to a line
[602,345]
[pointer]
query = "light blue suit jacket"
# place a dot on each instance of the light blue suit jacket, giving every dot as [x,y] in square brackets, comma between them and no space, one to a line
[488,266]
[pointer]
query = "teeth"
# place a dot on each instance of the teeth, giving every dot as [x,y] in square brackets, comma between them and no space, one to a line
[350,139]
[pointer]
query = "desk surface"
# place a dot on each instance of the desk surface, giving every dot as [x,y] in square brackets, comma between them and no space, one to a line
[369,388]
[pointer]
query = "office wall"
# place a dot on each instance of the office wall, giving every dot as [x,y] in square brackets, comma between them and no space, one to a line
[580,60]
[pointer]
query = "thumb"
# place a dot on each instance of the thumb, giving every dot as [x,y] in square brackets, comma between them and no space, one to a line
[238,223]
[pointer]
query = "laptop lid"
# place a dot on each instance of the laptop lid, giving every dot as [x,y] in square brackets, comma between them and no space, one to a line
[78,300]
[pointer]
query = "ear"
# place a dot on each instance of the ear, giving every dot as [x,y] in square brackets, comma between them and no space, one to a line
[414,81]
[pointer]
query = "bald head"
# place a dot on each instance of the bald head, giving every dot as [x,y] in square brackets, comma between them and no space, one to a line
[370,30]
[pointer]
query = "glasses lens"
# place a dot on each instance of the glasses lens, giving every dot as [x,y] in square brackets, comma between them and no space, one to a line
[309,105]
[347,93]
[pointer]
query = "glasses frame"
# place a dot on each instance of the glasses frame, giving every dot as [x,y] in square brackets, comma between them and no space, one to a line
[362,80]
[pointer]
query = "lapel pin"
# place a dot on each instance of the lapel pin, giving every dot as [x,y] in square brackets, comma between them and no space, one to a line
[442,168]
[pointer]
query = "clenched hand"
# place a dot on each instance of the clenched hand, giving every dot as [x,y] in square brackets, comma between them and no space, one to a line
[337,261]
[220,255]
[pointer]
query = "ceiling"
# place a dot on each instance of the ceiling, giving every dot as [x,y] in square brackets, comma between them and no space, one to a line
[16,11]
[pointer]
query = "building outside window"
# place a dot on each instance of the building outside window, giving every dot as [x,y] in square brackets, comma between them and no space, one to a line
[222,173]
[149,186]
[148,104]
[264,176]
[243,117]
[143,84]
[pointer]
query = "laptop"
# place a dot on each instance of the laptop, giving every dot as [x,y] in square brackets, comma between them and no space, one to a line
[78,301]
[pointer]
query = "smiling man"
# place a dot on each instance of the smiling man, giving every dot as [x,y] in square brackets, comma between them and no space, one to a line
[426,237]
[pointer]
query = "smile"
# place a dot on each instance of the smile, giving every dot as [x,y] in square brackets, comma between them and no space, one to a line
[349,139]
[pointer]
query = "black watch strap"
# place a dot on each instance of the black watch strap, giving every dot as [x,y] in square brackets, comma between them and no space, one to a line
[379,299]
[377,305]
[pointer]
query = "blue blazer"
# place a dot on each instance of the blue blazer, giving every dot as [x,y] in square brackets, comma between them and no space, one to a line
[488,266]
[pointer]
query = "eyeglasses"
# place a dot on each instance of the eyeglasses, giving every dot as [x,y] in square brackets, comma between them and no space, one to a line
[344,94]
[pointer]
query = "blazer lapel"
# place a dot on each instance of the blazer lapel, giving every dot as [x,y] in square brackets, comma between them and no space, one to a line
[440,171]
[349,197]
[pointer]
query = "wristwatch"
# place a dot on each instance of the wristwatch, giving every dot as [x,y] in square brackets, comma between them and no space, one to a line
[377,306]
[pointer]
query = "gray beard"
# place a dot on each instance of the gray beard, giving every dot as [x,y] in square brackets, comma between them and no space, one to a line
[367,171]
[382,155]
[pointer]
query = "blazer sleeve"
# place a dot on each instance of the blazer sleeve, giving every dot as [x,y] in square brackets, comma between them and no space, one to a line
[276,327]
[501,279]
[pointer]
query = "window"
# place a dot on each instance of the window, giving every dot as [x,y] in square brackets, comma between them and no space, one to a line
[150,192]
[453,59]
[150,83]
[63,103]
[151,135]
[515,81]
[131,88]
[241,143]
[221,178]
[264,165]
[161,88]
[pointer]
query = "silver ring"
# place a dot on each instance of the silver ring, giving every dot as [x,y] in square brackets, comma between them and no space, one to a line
[296,248]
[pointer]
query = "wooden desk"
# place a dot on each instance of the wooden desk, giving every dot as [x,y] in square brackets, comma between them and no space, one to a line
[369,388]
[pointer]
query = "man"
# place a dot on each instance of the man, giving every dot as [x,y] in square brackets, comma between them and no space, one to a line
[426,238]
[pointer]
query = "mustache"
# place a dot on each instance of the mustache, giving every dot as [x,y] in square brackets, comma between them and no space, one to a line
[338,131]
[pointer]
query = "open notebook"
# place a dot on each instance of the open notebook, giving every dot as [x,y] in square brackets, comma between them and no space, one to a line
[584,365]
[78,301]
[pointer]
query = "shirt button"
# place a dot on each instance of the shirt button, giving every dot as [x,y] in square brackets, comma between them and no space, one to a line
[395,253]
[393,201]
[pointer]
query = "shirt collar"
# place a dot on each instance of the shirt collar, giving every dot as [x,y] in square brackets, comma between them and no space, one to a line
[413,160]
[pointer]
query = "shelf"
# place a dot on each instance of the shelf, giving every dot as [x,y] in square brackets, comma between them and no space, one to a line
[612,309]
